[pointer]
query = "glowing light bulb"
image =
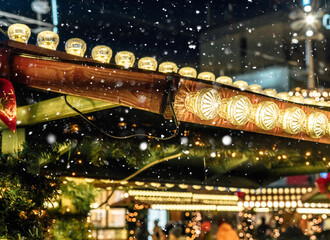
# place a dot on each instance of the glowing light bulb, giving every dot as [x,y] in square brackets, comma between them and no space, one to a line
[297,99]
[310,101]
[148,63]
[310,19]
[224,80]
[266,115]
[19,32]
[188,72]
[316,125]
[102,53]
[206,76]
[168,67]
[237,110]
[125,59]
[48,39]
[255,88]
[292,120]
[283,96]
[75,46]
[241,84]
[270,92]
[205,103]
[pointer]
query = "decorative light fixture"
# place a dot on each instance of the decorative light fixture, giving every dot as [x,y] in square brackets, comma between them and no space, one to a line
[292,120]
[125,59]
[237,110]
[297,99]
[206,76]
[183,186]
[270,92]
[197,187]
[328,129]
[205,103]
[168,67]
[188,72]
[19,32]
[75,46]
[241,84]
[310,101]
[283,96]
[266,115]
[48,39]
[148,63]
[102,53]
[255,88]
[316,125]
[224,80]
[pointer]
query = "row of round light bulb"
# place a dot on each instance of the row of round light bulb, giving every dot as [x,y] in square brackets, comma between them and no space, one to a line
[207,104]
[102,53]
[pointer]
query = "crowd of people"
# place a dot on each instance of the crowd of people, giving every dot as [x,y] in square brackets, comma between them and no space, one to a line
[175,231]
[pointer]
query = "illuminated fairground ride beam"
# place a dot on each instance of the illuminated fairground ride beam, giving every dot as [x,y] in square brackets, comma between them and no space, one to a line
[194,100]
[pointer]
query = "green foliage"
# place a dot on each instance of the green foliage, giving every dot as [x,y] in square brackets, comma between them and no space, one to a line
[73,224]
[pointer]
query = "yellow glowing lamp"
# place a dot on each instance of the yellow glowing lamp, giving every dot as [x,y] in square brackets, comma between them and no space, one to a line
[125,59]
[266,115]
[48,39]
[197,187]
[292,120]
[237,110]
[168,67]
[241,84]
[283,95]
[188,72]
[224,80]
[255,88]
[328,129]
[270,92]
[75,46]
[206,76]
[316,125]
[148,63]
[19,32]
[297,99]
[102,53]
[309,101]
[205,103]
